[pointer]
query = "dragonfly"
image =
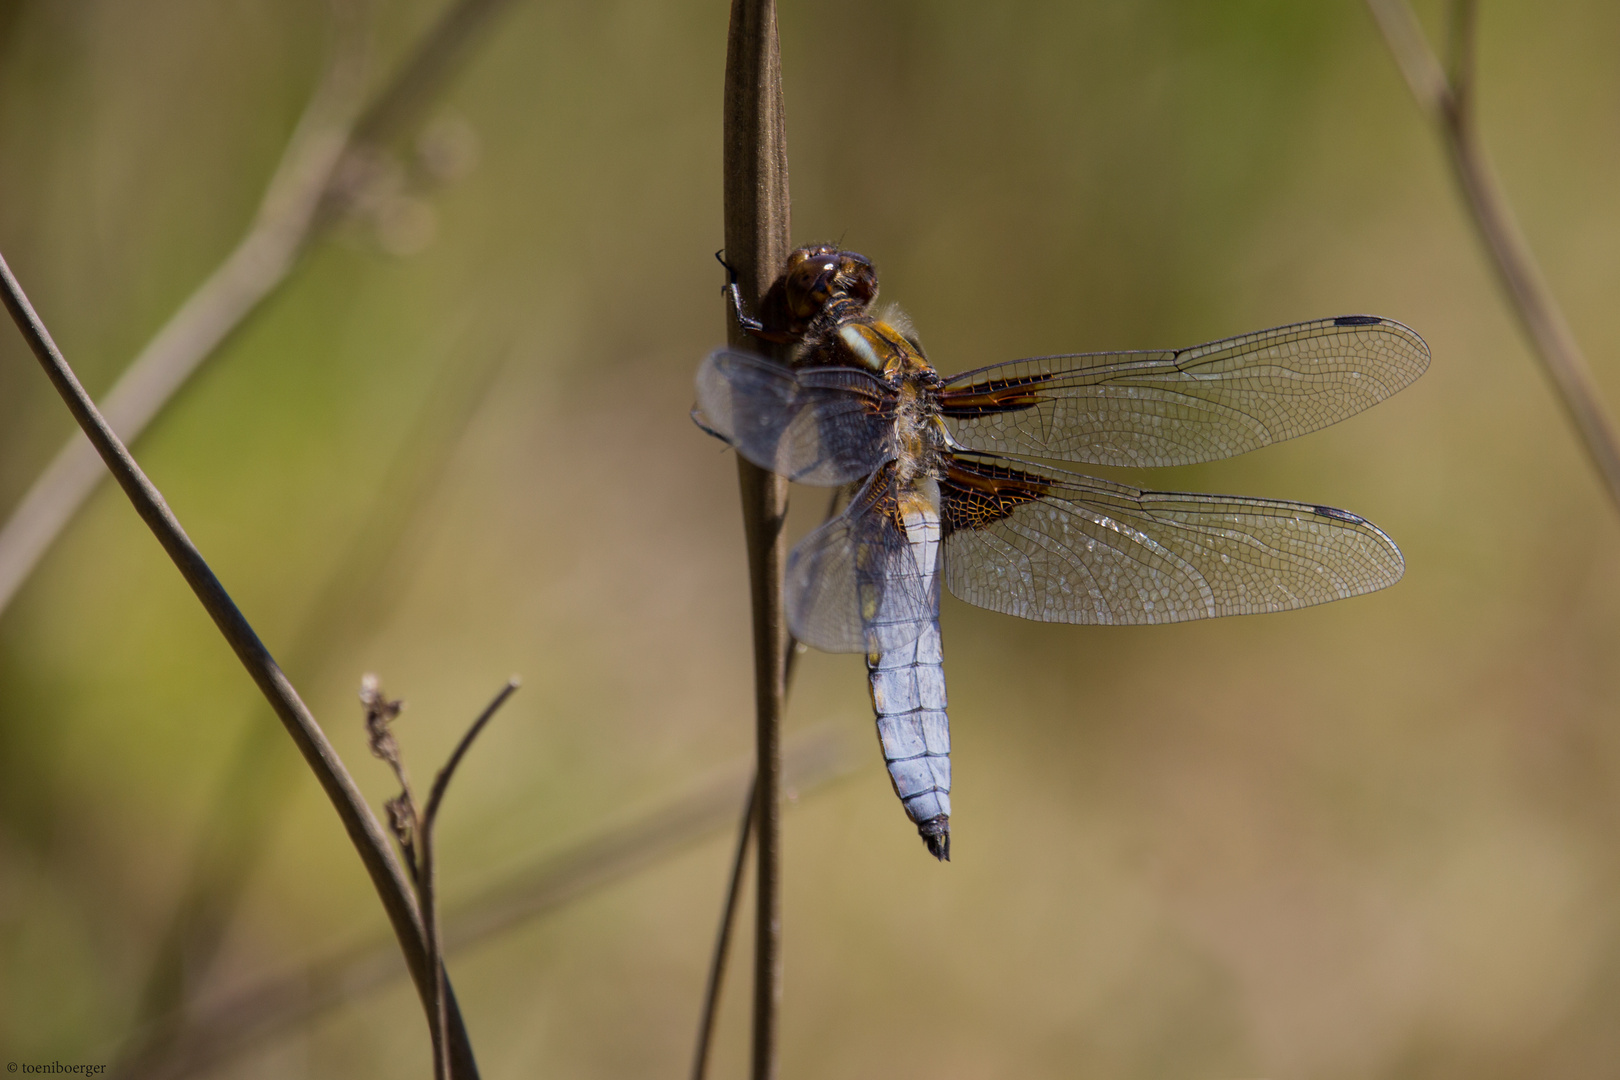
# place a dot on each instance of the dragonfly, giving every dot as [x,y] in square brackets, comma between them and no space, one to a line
[944,492]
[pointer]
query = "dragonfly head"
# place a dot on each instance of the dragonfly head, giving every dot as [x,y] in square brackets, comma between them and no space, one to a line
[818,274]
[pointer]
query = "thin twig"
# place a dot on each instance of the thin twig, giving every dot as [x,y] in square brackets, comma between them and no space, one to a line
[441,782]
[385,871]
[722,937]
[308,187]
[211,1032]
[1448,100]
[757,230]
[428,880]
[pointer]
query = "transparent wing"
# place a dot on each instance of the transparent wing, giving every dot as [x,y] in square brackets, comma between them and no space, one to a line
[856,584]
[1059,547]
[1179,407]
[822,608]
[824,426]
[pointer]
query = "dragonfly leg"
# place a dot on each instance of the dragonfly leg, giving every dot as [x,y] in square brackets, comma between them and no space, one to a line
[750,325]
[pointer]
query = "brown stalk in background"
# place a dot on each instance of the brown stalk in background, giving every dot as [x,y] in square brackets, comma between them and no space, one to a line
[361,825]
[330,156]
[757,230]
[1447,98]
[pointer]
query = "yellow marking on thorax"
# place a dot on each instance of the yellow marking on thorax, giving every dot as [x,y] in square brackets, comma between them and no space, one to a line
[858,338]
[882,348]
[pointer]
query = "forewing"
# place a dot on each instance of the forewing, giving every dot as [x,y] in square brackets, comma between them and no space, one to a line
[1059,547]
[1179,407]
[855,584]
[822,426]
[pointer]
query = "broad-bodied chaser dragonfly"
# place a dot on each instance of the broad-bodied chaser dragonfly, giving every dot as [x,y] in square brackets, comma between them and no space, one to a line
[941,498]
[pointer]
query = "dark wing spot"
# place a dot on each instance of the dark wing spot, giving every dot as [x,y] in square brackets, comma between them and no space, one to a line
[1357,320]
[976,494]
[1339,515]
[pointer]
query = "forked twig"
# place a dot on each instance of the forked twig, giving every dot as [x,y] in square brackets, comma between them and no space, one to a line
[305,195]
[362,827]
[1447,97]
[757,230]
[413,829]
[211,1031]
[355,595]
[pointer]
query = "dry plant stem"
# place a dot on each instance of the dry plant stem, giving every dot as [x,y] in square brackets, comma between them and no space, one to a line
[722,938]
[1448,100]
[757,229]
[428,881]
[296,204]
[364,832]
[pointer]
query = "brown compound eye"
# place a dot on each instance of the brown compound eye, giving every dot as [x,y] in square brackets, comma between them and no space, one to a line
[815,275]
[810,283]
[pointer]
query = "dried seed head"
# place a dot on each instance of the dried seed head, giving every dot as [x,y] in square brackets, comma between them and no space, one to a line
[380,713]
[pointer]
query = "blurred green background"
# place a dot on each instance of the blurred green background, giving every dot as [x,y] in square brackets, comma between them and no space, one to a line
[1373,839]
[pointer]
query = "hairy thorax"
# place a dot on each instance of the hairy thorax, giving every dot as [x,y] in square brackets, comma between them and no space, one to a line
[889,349]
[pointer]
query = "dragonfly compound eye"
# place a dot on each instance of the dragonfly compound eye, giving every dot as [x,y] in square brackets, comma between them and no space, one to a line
[817,275]
[810,284]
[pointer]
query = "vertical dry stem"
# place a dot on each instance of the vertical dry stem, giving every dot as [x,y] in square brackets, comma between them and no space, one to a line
[1448,100]
[757,239]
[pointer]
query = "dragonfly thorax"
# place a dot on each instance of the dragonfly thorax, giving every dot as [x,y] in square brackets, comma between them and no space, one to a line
[916,437]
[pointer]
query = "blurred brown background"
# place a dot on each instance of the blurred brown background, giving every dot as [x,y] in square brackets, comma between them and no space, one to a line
[1373,839]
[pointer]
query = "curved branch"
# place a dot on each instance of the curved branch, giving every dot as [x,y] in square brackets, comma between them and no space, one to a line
[386,874]
[1448,102]
[300,201]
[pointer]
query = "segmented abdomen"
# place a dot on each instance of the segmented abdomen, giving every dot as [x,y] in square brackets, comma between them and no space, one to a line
[897,585]
[908,695]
